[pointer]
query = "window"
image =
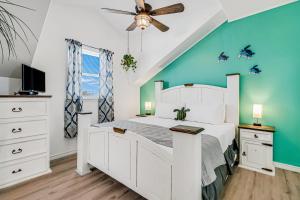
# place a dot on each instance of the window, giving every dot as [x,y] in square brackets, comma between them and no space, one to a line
[90,77]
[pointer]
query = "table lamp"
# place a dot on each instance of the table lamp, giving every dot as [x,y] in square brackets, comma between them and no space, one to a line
[148,108]
[257,113]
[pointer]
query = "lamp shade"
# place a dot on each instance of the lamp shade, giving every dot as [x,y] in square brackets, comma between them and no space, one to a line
[148,106]
[257,110]
[142,21]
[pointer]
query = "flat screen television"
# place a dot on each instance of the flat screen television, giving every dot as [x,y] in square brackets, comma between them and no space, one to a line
[33,80]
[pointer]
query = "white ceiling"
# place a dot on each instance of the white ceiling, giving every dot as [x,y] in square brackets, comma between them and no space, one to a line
[176,22]
[199,18]
[156,45]
[237,9]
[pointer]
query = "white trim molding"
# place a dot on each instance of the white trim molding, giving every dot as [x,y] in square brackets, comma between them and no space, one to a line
[61,155]
[287,167]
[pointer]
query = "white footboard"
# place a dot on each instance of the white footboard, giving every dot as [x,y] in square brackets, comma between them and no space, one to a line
[155,172]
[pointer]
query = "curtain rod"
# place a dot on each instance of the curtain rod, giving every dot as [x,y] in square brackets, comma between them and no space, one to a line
[66,39]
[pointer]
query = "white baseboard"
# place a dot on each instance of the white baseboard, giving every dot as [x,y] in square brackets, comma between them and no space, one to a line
[259,170]
[61,155]
[287,167]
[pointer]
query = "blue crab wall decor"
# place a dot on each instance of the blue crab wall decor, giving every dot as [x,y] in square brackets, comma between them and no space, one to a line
[246,52]
[223,57]
[255,70]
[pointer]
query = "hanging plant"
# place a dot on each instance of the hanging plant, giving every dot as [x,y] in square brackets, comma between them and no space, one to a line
[128,62]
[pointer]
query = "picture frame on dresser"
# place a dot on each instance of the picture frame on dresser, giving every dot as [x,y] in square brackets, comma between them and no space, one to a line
[24,138]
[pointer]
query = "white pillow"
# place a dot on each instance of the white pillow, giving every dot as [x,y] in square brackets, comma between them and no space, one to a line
[205,113]
[166,110]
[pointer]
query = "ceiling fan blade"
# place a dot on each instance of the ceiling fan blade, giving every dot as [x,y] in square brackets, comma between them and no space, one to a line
[131,27]
[159,25]
[118,11]
[140,4]
[176,8]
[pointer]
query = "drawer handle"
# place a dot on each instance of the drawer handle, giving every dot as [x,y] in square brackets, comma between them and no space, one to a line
[16,171]
[256,136]
[17,109]
[17,151]
[16,130]
[244,153]
[266,169]
[119,130]
[266,144]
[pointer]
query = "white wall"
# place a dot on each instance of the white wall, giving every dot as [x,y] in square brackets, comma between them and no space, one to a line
[9,85]
[90,28]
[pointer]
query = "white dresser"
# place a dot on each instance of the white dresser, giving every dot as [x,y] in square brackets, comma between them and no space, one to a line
[256,148]
[24,138]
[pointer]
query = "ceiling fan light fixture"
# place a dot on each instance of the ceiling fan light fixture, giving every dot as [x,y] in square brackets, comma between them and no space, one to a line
[143,15]
[143,20]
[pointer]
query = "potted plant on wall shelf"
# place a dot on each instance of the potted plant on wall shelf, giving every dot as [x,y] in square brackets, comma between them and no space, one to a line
[128,61]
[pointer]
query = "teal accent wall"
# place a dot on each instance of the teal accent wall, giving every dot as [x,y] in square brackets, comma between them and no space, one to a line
[275,38]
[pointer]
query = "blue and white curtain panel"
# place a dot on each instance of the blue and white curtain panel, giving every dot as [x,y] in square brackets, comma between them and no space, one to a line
[106,101]
[73,102]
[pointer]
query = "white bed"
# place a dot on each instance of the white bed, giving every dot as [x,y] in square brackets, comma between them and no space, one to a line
[152,170]
[224,132]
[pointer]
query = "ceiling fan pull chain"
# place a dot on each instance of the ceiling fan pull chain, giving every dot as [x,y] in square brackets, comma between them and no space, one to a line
[128,50]
[141,40]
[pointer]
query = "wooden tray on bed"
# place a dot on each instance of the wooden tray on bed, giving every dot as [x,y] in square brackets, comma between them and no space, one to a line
[187,129]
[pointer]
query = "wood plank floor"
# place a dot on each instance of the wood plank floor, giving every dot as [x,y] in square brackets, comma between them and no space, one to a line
[65,184]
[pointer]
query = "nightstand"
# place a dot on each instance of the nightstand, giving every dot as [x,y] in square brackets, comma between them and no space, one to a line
[256,148]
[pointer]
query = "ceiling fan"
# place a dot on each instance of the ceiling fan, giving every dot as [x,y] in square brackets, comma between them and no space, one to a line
[143,13]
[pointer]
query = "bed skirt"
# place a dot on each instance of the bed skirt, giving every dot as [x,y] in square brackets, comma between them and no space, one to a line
[214,190]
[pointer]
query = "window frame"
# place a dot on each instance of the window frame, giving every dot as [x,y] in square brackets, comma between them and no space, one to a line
[95,54]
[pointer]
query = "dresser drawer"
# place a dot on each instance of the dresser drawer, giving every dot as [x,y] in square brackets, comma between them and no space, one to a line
[21,170]
[256,135]
[22,149]
[22,109]
[13,130]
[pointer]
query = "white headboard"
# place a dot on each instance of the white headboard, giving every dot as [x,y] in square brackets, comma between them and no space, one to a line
[204,94]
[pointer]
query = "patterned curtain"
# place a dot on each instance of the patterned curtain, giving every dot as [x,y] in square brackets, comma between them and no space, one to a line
[106,101]
[73,102]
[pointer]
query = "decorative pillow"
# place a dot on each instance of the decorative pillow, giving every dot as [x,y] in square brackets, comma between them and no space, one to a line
[181,113]
[206,113]
[165,110]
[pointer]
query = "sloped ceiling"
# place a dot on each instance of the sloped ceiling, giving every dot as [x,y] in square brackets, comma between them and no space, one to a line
[35,20]
[159,49]
[237,9]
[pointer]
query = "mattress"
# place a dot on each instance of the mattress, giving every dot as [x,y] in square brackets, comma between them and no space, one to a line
[225,132]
